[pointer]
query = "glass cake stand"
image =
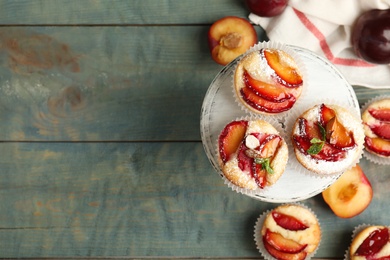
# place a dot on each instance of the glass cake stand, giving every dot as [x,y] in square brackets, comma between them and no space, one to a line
[324,83]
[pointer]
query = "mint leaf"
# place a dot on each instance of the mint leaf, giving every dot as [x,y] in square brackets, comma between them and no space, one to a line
[315,148]
[322,131]
[316,143]
[265,164]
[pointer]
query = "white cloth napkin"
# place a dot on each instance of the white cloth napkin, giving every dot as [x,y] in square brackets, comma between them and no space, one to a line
[324,26]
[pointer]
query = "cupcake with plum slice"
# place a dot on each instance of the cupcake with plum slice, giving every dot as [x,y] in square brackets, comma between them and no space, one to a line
[289,231]
[327,139]
[370,242]
[252,154]
[268,80]
[376,121]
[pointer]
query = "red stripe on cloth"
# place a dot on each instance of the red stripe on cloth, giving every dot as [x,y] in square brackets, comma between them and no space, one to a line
[324,45]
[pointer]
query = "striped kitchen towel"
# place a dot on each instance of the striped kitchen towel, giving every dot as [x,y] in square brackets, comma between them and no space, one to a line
[324,26]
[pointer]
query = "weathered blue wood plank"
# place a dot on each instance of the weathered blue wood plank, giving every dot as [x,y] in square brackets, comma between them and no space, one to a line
[115,200]
[92,12]
[365,94]
[103,83]
[133,73]
[137,199]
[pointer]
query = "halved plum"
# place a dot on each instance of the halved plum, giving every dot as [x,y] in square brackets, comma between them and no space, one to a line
[229,37]
[350,194]
[283,64]
[265,105]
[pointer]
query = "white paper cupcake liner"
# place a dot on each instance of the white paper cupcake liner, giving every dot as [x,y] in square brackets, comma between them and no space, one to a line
[375,158]
[355,232]
[245,191]
[289,124]
[371,156]
[259,238]
[300,64]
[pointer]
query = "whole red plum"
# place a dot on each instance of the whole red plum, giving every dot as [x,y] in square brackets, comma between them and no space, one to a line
[266,8]
[371,36]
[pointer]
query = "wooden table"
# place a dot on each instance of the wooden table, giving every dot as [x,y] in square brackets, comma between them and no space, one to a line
[101,153]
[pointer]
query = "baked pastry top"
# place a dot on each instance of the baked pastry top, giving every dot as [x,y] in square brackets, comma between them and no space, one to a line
[268,81]
[252,153]
[327,139]
[372,242]
[376,121]
[291,229]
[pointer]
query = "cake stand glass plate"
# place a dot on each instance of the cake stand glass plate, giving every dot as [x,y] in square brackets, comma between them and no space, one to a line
[324,84]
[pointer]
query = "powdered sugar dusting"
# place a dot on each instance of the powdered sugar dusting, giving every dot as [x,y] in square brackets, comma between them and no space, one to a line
[352,124]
